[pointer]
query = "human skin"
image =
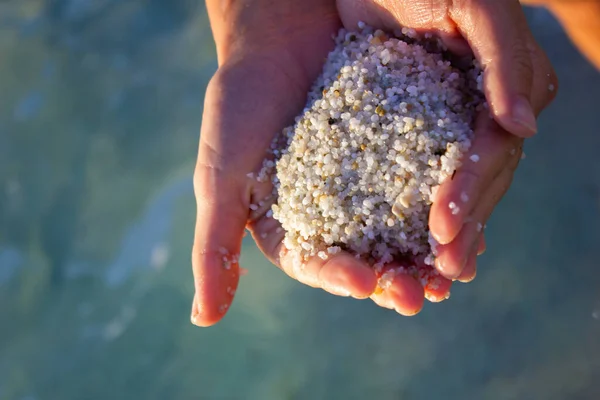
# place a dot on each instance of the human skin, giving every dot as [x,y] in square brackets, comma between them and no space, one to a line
[269,54]
[581,21]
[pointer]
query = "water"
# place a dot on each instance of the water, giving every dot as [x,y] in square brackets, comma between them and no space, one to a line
[100,104]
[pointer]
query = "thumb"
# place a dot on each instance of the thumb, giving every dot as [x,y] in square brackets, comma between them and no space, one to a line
[498,34]
[243,107]
[220,221]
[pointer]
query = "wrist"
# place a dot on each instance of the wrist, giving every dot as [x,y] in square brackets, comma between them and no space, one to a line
[254,25]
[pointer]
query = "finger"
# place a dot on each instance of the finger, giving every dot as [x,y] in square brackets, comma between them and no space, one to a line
[229,149]
[545,87]
[458,47]
[400,290]
[405,294]
[492,148]
[496,31]
[266,230]
[482,245]
[545,80]
[457,197]
[220,221]
[438,288]
[341,274]
[194,313]
[452,258]
[470,270]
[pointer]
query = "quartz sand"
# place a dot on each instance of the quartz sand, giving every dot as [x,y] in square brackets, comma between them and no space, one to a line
[387,121]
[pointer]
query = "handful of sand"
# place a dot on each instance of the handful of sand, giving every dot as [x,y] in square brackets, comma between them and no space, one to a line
[386,122]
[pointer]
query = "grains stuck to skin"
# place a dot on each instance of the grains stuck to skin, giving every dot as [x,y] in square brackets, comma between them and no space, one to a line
[387,278]
[384,125]
[227,259]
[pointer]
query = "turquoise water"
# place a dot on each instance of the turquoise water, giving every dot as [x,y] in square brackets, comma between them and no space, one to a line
[100,105]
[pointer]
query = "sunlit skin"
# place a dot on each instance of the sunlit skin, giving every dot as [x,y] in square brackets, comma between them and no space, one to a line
[581,21]
[269,53]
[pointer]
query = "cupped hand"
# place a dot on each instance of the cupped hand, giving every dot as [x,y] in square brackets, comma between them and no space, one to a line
[268,59]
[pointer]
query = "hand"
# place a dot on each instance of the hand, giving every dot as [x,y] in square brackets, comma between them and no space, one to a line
[269,55]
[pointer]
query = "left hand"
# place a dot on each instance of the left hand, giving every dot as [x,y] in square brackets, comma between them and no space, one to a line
[519,82]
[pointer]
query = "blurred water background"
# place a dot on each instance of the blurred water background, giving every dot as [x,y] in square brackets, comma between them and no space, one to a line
[100,107]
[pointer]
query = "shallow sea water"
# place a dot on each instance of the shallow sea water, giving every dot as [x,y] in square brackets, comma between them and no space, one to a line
[100,104]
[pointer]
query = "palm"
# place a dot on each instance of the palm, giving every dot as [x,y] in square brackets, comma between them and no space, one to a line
[266,90]
[250,102]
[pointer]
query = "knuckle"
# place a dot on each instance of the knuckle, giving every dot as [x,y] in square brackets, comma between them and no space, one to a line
[514,155]
[553,85]
[223,87]
[205,177]
[514,163]
[546,82]
[471,174]
[458,8]
[521,60]
[221,78]
[505,186]
[210,170]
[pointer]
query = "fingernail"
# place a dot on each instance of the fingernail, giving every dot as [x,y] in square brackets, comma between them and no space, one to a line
[471,255]
[470,279]
[481,245]
[339,291]
[474,246]
[441,267]
[195,312]
[523,115]
[411,313]
[431,297]
[436,237]
[473,250]
[438,265]
[434,191]
[448,235]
